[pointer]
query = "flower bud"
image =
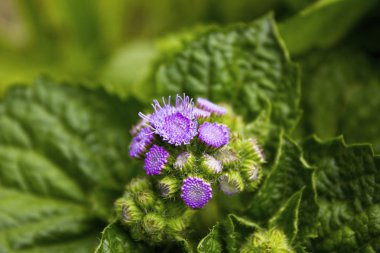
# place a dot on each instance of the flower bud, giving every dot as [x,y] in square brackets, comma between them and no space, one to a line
[252,174]
[231,183]
[250,150]
[154,225]
[181,223]
[184,161]
[168,186]
[144,199]
[138,185]
[210,164]
[127,211]
[267,241]
[226,156]
[137,232]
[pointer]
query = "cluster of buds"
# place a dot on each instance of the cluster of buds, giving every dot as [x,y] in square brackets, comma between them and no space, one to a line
[189,152]
[147,216]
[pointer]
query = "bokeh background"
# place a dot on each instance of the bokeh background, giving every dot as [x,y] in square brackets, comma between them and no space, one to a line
[112,43]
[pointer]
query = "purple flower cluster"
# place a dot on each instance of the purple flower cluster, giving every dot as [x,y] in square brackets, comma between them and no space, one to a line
[160,139]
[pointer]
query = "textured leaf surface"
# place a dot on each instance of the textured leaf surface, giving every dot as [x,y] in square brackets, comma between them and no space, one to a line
[60,147]
[211,243]
[289,175]
[116,240]
[244,64]
[348,185]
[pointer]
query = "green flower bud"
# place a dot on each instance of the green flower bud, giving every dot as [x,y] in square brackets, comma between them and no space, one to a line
[180,224]
[227,156]
[267,241]
[251,173]
[127,211]
[211,165]
[184,161]
[137,185]
[231,183]
[154,225]
[137,232]
[250,150]
[145,199]
[168,186]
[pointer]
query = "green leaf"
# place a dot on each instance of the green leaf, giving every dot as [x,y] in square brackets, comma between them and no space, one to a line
[211,242]
[353,99]
[116,240]
[286,217]
[322,24]
[289,175]
[62,163]
[348,186]
[236,230]
[244,64]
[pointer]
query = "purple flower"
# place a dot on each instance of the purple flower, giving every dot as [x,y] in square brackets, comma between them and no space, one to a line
[141,124]
[210,106]
[155,160]
[199,113]
[181,160]
[175,124]
[141,142]
[214,135]
[196,192]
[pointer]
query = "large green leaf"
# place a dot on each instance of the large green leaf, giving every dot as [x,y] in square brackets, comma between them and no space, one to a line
[211,243]
[342,96]
[348,186]
[244,64]
[322,24]
[63,161]
[289,175]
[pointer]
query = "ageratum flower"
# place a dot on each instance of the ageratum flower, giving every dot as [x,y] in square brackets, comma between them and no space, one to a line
[210,106]
[175,124]
[155,160]
[141,142]
[199,113]
[196,192]
[214,135]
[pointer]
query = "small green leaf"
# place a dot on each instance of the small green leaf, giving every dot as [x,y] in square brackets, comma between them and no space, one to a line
[289,175]
[211,242]
[116,240]
[286,217]
[236,229]
[348,186]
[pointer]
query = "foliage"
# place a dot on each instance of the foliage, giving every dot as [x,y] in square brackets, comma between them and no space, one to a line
[64,146]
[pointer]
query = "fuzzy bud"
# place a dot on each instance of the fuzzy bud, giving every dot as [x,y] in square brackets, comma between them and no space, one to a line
[252,174]
[184,161]
[211,165]
[227,156]
[154,225]
[168,187]
[231,183]
[267,241]
[138,185]
[127,211]
[250,150]
[144,199]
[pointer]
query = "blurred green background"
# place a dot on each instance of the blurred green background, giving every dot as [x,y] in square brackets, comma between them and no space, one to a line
[112,44]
